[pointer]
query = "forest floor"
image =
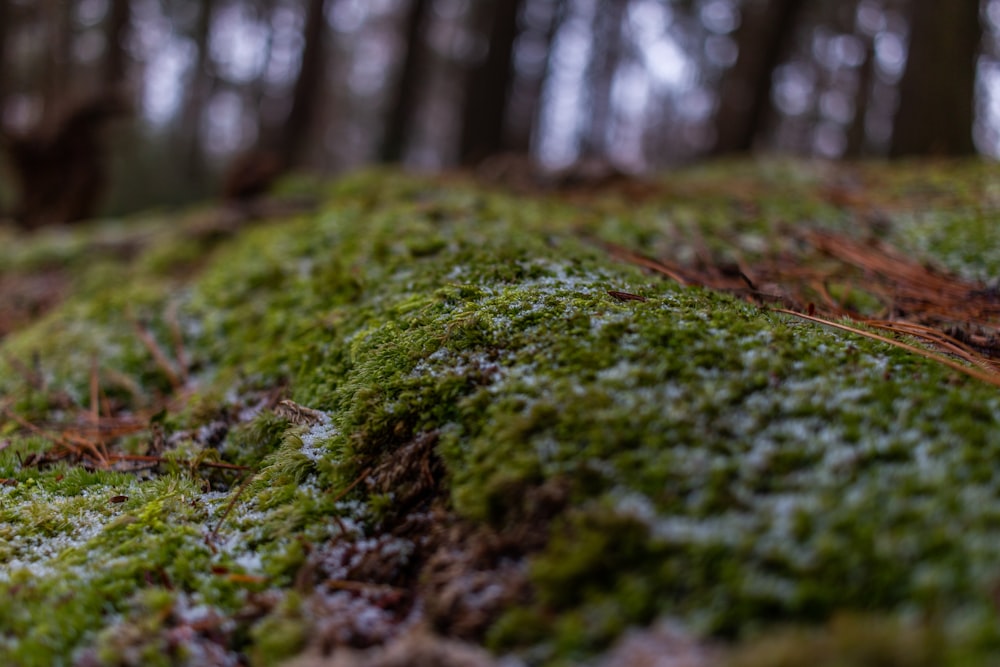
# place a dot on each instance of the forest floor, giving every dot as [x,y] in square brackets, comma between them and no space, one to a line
[745,414]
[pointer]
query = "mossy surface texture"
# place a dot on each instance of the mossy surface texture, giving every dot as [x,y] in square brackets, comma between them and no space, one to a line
[689,455]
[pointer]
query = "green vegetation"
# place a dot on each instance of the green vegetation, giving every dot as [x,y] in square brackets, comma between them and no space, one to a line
[454,350]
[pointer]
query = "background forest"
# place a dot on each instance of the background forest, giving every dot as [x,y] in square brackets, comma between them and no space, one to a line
[111,105]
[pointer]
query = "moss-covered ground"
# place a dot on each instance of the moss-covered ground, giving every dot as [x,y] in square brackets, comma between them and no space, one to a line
[427,404]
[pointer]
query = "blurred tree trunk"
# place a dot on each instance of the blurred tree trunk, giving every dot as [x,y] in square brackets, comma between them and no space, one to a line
[299,126]
[55,86]
[288,142]
[5,17]
[745,91]
[857,132]
[529,86]
[488,86]
[606,55]
[258,91]
[937,92]
[198,92]
[116,57]
[402,106]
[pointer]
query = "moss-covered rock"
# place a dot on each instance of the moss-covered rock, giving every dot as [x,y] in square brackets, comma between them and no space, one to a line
[428,403]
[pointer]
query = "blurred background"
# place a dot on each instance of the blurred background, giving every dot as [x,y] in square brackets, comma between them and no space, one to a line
[107,106]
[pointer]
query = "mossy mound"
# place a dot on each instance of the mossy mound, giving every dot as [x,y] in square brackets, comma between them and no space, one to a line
[431,404]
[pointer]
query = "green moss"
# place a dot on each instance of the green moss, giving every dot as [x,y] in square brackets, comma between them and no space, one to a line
[717,462]
[279,635]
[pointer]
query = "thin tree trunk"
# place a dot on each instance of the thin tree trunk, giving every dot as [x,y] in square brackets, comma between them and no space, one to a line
[402,109]
[56,78]
[116,59]
[745,91]
[259,88]
[488,87]
[526,102]
[937,93]
[307,91]
[5,17]
[198,93]
[606,56]
[857,132]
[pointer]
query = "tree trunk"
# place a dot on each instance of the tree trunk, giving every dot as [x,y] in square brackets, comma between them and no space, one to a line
[937,93]
[526,100]
[857,132]
[299,126]
[745,91]
[55,86]
[259,90]
[5,18]
[116,27]
[198,93]
[606,55]
[402,108]
[488,87]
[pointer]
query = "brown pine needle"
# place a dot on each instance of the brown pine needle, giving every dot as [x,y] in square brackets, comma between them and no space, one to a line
[937,338]
[971,372]
[229,507]
[350,487]
[958,316]
[627,255]
[364,474]
[154,349]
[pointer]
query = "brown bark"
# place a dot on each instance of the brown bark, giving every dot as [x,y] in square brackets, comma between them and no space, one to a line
[299,126]
[5,16]
[488,87]
[937,92]
[402,108]
[116,60]
[745,91]
[199,90]
[856,132]
[56,78]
